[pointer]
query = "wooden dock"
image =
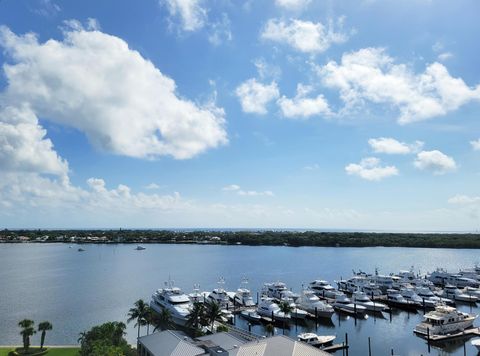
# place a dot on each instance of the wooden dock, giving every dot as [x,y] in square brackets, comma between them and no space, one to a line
[466,333]
[334,347]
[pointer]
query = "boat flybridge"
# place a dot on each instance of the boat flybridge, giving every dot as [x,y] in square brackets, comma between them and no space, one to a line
[243,296]
[219,294]
[445,320]
[174,300]
[316,340]
[278,290]
[312,304]
[323,289]
[361,298]
[268,308]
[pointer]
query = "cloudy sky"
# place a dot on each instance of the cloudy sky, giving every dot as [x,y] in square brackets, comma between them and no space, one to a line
[271,113]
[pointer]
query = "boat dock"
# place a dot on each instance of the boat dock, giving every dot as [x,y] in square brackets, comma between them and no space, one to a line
[466,333]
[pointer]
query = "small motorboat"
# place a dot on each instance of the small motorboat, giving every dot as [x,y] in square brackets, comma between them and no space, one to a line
[140,248]
[316,340]
[251,315]
[80,249]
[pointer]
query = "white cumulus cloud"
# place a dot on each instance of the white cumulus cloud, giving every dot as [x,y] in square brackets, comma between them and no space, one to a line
[392,146]
[95,83]
[292,4]
[192,13]
[302,106]
[255,96]
[371,169]
[303,36]
[464,199]
[435,161]
[475,144]
[252,193]
[370,74]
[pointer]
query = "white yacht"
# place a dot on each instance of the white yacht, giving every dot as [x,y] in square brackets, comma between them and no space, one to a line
[243,295]
[382,281]
[371,289]
[196,296]
[279,290]
[439,276]
[267,307]
[395,299]
[445,320]
[297,312]
[456,294]
[410,294]
[174,300]
[316,340]
[312,304]
[251,315]
[427,294]
[472,291]
[362,299]
[219,294]
[342,303]
[323,289]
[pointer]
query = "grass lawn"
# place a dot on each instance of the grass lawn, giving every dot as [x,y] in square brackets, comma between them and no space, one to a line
[51,351]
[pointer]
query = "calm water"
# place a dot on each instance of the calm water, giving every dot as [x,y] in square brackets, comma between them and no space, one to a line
[76,290]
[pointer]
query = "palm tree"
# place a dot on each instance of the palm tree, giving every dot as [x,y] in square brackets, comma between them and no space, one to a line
[213,312]
[196,315]
[44,327]
[286,309]
[27,331]
[138,313]
[82,337]
[163,320]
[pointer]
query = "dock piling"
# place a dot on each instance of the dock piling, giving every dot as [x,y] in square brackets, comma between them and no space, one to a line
[346,344]
[369,347]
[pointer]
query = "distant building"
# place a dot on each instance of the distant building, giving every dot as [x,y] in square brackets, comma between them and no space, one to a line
[177,343]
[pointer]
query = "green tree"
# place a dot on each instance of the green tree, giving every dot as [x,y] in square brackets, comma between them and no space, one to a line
[44,327]
[106,339]
[286,309]
[138,313]
[27,331]
[213,312]
[162,320]
[196,315]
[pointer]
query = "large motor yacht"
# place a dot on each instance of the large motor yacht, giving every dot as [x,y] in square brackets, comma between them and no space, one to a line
[323,289]
[454,293]
[445,320]
[243,295]
[395,299]
[362,299]
[268,308]
[427,294]
[312,304]
[219,294]
[174,300]
[278,290]
[344,304]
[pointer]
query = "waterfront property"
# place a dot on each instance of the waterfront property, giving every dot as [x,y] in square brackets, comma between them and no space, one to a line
[170,343]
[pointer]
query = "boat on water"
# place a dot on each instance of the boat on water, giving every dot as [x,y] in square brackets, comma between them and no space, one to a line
[196,296]
[174,300]
[410,294]
[395,299]
[454,293]
[323,289]
[251,315]
[444,320]
[472,291]
[140,248]
[427,294]
[476,343]
[316,340]
[312,304]
[344,304]
[297,312]
[219,294]
[268,308]
[361,298]
[243,296]
[278,290]
[371,289]
[80,249]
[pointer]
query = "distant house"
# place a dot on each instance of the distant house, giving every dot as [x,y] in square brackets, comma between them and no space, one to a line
[176,343]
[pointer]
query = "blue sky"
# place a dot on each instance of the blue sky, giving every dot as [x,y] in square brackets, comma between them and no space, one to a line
[274,113]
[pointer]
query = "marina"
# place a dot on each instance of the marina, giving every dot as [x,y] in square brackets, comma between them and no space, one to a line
[100,274]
